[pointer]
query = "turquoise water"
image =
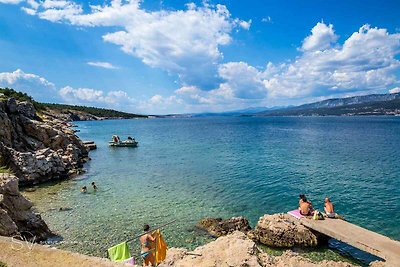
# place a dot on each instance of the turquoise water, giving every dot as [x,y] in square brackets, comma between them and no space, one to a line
[187,169]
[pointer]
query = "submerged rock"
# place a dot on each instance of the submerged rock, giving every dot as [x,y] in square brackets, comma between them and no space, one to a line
[280,230]
[290,258]
[220,227]
[16,215]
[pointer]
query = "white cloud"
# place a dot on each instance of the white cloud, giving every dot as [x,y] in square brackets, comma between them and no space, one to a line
[92,96]
[47,4]
[365,61]
[321,38]
[13,2]
[182,42]
[33,4]
[245,24]
[105,65]
[364,64]
[394,90]
[266,19]
[244,80]
[29,11]
[38,87]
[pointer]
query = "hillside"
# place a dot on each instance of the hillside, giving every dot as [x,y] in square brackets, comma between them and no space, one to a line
[370,105]
[77,113]
[69,112]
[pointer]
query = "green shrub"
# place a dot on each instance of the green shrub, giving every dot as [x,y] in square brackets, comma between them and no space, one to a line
[4,169]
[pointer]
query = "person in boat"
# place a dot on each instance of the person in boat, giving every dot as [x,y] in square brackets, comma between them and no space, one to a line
[84,189]
[115,139]
[130,138]
[145,245]
[305,206]
[329,209]
[94,186]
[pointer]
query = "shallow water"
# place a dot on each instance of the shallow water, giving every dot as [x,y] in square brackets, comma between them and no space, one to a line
[187,169]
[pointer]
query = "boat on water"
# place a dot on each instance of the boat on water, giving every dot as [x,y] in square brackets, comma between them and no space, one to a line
[116,141]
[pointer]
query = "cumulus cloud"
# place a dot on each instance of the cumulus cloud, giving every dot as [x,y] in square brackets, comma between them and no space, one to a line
[244,80]
[38,87]
[13,2]
[43,90]
[92,96]
[182,42]
[321,38]
[105,65]
[188,43]
[394,90]
[364,63]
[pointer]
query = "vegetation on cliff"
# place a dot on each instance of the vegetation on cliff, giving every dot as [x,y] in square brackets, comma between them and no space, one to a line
[63,108]
[99,112]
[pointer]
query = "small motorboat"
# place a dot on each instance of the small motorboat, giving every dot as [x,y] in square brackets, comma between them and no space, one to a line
[116,141]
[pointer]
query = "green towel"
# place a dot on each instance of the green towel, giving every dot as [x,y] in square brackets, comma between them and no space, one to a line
[119,252]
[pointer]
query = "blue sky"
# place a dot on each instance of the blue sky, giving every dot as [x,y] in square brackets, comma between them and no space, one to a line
[179,56]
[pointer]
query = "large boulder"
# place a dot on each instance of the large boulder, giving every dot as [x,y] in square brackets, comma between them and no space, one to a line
[280,230]
[16,215]
[12,105]
[219,227]
[231,250]
[27,109]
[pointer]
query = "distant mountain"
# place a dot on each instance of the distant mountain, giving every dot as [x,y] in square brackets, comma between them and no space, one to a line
[337,102]
[247,111]
[376,104]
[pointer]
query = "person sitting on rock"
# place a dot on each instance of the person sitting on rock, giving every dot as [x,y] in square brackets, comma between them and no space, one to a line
[84,189]
[94,186]
[305,206]
[329,209]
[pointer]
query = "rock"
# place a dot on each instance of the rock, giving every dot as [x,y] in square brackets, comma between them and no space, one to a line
[27,109]
[219,227]
[90,145]
[378,264]
[12,105]
[35,150]
[236,249]
[290,258]
[7,225]
[280,230]
[16,215]
[231,250]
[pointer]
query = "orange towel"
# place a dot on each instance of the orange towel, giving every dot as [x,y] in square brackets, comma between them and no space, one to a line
[161,247]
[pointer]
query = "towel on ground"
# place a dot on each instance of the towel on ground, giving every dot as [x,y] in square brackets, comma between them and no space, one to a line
[295,213]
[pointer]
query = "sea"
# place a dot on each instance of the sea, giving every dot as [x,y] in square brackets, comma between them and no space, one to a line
[186,169]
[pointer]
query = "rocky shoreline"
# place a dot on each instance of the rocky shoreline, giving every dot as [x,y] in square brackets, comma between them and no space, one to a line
[34,148]
[236,249]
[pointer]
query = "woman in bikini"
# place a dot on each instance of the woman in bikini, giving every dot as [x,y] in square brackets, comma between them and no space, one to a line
[305,206]
[145,244]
